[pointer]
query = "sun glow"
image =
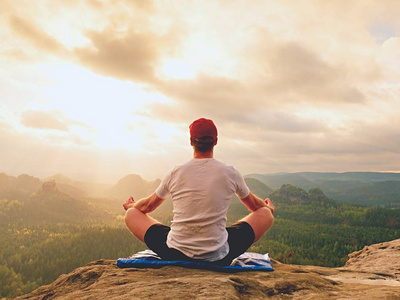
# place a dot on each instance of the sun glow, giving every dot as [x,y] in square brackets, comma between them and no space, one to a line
[100,111]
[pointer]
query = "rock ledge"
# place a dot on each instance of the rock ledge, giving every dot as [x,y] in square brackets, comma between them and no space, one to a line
[372,273]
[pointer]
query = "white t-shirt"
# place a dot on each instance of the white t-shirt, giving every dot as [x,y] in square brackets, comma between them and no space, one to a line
[201,191]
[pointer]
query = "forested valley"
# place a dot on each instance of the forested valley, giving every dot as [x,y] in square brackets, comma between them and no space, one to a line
[48,228]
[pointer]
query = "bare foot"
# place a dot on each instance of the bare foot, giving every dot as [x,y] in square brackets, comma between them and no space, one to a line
[129,203]
[270,205]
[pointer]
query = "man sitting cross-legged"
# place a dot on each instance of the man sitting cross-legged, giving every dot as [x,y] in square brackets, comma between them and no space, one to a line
[201,191]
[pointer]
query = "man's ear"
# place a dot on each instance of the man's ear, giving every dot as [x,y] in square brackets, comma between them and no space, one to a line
[191,141]
[216,141]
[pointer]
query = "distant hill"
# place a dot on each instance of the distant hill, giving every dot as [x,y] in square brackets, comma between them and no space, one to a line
[294,203]
[78,188]
[289,194]
[132,185]
[258,188]
[18,188]
[108,196]
[22,186]
[49,205]
[359,188]
[307,180]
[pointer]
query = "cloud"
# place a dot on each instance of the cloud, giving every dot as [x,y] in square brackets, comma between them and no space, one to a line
[209,93]
[379,137]
[35,35]
[53,128]
[131,53]
[101,5]
[355,138]
[289,122]
[44,120]
[295,72]
[278,75]
[132,56]
[49,120]
[302,75]
[389,57]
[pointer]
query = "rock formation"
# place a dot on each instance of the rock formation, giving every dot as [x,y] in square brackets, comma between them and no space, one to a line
[372,273]
[383,258]
[49,186]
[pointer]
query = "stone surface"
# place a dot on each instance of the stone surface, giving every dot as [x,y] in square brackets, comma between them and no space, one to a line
[382,258]
[372,273]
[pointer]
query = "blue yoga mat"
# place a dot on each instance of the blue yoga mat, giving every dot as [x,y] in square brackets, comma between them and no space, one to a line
[248,261]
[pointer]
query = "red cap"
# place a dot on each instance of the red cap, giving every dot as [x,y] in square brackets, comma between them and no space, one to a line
[203,127]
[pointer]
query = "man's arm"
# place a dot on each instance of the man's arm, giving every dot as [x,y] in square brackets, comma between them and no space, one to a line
[252,202]
[149,204]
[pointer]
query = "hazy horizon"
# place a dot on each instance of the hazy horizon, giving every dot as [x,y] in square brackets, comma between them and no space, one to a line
[116,179]
[97,89]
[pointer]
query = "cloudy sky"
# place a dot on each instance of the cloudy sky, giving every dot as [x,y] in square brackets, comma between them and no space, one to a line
[98,89]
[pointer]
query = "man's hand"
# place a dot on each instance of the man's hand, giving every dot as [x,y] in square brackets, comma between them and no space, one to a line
[270,205]
[129,203]
[145,205]
[253,202]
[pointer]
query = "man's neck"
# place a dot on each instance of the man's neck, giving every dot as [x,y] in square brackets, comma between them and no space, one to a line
[200,155]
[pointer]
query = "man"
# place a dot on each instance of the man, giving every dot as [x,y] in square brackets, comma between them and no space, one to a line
[201,191]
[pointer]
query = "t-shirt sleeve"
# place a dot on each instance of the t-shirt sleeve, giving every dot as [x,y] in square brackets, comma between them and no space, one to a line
[242,190]
[163,190]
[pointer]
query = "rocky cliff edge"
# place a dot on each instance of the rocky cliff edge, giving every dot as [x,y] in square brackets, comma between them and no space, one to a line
[372,273]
